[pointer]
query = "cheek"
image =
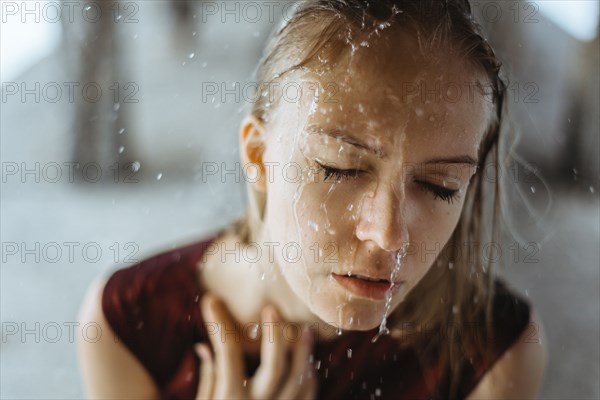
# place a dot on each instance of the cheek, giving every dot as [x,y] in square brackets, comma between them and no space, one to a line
[431,230]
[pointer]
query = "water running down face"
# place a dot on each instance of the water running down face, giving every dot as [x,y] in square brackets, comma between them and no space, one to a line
[387,148]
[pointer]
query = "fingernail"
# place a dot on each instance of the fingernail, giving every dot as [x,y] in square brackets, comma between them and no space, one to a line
[253,331]
[202,351]
[307,335]
[270,314]
[210,300]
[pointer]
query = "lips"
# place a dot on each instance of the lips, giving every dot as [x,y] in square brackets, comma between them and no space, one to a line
[367,287]
[366,278]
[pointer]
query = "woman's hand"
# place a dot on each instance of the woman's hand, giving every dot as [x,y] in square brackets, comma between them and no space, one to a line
[222,375]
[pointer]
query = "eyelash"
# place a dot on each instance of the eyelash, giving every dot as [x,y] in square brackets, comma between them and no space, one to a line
[339,174]
[444,194]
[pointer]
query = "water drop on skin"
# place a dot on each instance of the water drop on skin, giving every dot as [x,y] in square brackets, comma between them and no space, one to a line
[383,330]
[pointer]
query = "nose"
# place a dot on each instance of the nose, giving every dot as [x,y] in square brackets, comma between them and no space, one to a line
[382,218]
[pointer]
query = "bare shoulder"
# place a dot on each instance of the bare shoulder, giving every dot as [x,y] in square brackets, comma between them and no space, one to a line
[519,373]
[108,368]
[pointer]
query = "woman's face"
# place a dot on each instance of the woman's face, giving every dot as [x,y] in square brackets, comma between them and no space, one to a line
[386,151]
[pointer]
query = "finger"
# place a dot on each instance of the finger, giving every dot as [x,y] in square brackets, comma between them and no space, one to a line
[272,356]
[309,388]
[301,369]
[207,373]
[229,362]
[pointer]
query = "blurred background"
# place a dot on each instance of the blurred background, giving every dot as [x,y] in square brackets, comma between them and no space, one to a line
[114,113]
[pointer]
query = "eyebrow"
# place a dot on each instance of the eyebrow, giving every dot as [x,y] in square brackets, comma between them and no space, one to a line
[337,134]
[468,160]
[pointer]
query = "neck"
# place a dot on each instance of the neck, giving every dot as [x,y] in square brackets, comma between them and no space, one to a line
[276,291]
[257,284]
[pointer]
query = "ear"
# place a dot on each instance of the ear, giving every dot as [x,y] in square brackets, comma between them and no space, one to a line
[252,146]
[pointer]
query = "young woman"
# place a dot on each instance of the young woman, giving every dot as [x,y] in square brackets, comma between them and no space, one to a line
[358,269]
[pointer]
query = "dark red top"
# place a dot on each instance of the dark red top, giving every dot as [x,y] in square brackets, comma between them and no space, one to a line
[153,308]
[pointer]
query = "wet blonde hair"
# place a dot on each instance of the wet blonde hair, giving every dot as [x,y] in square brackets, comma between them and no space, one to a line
[458,287]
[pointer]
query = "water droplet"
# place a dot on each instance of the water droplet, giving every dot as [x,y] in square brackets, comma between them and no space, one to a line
[194,33]
[318,364]
[159,177]
[116,106]
[245,383]
[313,225]
[121,131]
[349,353]
[135,166]
[591,189]
[191,55]
[378,392]
[533,189]
[121,149]
[383,330]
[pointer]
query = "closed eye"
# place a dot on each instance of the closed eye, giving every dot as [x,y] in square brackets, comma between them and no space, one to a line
[338,174]
[448,195]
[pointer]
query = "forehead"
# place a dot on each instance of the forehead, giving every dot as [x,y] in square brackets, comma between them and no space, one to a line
[387,92]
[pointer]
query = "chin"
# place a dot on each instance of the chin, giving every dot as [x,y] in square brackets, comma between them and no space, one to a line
[350,317]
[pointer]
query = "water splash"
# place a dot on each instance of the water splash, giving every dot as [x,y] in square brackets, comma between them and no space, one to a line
[383,330]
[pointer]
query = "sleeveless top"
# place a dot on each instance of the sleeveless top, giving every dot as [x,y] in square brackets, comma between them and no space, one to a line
[153,308]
